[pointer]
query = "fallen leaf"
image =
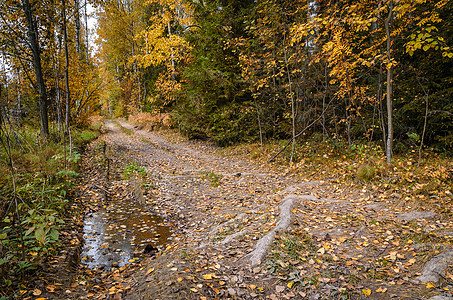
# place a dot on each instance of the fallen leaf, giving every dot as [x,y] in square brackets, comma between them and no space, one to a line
[429,285]
[36,292]
[51,288]
[252,286]
[279,288]
[208,276]
[149,271]
[366,291]
[290,284]
[381,290]
[179,279]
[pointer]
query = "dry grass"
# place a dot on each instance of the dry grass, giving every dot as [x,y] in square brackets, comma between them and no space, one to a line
[151,121]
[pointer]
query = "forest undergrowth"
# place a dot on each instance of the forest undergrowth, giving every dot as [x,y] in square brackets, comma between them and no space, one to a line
[37,208]
[425,180]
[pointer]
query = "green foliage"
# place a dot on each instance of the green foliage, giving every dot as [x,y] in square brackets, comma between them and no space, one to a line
[365,172]
[133,169]
[214,103]
[213,177]
[31,233]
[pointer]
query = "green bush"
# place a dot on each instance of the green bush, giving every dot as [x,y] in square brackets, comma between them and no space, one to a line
[365,172]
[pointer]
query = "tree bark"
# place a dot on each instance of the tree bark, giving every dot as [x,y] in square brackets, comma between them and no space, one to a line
[293,112]
[66,70]
[77,26]
[36,53]
[388,25]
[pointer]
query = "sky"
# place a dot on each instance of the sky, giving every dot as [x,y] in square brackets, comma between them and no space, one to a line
[92,23]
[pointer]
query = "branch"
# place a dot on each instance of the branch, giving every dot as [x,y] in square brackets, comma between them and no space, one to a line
[300,133]
[432,112]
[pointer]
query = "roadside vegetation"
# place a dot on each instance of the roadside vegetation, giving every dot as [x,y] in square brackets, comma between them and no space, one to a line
[427,181]
[36,177]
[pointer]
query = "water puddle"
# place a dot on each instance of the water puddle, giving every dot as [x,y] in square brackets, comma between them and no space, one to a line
[118,233]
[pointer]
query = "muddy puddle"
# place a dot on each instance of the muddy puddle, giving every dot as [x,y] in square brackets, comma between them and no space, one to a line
[118,233]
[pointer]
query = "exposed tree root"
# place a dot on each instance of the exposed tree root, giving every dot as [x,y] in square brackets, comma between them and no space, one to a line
[436,267]
[261,248]
[231,237]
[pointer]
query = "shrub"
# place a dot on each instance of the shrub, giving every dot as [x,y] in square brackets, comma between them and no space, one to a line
[365,172]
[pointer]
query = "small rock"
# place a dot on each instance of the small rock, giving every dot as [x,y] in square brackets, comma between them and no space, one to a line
[231,291]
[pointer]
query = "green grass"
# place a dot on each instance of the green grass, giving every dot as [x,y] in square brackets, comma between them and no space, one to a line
[29,233]
[212,177]
[133,169]
[124,129]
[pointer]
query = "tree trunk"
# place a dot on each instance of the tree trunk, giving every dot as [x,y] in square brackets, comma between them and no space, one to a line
[77,25]
[388,24]
[259,122]
[35,49]
[172,57]
[87,54]
[381,108]
[293,112]
[66,70]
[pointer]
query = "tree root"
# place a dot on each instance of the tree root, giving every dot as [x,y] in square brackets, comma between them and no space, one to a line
[262,246]
[436,267]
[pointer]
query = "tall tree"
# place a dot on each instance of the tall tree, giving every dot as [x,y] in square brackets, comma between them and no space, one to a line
[36,52]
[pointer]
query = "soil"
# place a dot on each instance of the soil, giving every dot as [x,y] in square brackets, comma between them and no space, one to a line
[240,230]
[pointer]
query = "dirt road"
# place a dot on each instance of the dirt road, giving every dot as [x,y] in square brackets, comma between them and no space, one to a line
[244,231]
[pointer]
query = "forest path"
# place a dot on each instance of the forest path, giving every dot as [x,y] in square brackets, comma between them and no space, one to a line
[244,231]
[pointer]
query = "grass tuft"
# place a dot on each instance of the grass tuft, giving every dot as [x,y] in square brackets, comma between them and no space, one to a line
[365,172]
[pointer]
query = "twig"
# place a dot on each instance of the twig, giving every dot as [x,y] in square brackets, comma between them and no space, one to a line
[100,187]
[300,133]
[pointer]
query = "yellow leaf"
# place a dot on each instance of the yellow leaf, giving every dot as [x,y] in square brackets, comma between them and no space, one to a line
[366,291]
[179,279]
[208,276]
[51,288]
[149,271]
[252,286]
[429,285]
[290,284]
